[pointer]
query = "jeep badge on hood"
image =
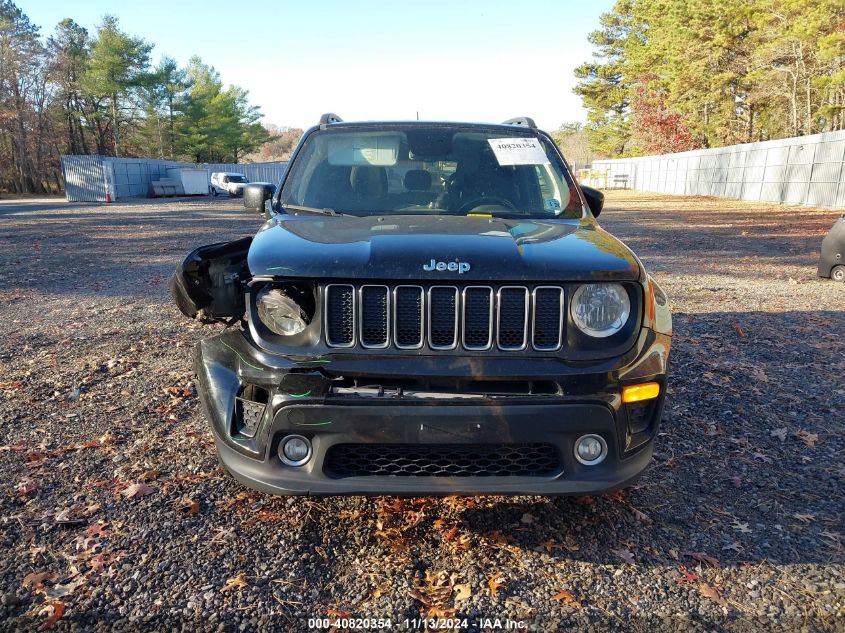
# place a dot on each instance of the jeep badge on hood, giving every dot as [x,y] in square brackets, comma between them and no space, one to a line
[461,267]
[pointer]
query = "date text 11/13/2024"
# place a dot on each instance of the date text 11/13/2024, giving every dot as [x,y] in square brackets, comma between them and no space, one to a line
[418,624]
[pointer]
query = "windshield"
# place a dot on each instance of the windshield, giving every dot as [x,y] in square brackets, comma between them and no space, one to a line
[406,169]
[237,179]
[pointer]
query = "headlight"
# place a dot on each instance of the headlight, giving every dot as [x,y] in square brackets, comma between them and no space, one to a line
[600,310]
[280,313]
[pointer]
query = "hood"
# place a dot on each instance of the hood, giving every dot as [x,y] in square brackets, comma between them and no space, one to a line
[439,248]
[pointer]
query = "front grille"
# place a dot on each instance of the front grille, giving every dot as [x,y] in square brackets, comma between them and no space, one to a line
[443,317]
[548,317]
[340,315]
[478,317]
[408,317]
[513,317]
[510,318]
[375,317]
[442,460]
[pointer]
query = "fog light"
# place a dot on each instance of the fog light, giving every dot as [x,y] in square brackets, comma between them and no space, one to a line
[590,450]
[295,450]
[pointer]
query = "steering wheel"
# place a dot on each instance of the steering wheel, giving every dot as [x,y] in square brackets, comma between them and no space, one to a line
[490,200]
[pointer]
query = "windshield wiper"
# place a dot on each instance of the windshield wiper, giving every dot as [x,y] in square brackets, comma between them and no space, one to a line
[304,209]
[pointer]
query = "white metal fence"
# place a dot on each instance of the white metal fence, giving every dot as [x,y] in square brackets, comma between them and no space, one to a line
[99,178]
[808,170]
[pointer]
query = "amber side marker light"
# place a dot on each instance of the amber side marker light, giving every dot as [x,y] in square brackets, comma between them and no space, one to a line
[636,393]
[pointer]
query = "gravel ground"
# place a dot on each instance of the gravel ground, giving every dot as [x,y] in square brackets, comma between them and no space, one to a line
[114,515]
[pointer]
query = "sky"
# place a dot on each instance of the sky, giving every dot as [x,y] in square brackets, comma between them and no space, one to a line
[458,60]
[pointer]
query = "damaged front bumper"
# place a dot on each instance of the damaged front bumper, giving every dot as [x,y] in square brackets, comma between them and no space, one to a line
[426,424]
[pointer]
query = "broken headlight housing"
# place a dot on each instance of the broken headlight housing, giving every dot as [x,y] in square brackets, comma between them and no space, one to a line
[280,313]
[600,310]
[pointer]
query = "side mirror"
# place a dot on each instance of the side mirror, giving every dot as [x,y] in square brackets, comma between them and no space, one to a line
[256,194]
[595,199]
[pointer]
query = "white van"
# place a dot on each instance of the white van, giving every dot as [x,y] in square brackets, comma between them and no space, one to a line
[228,182]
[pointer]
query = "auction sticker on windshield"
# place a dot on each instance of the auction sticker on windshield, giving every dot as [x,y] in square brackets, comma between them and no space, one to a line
[518,151]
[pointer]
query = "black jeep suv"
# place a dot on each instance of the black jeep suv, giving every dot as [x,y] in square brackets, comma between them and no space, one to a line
[431,308]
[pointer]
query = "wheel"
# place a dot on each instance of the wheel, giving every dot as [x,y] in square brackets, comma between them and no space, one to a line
[214,191]
[838,273]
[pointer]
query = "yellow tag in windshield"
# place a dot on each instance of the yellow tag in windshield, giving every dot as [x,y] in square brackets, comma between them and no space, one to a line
[479,215]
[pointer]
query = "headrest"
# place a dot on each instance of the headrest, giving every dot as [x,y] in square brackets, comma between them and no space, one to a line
[417,180]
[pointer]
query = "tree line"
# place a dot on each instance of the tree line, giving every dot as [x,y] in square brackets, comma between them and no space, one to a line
[675,75]
[77,92]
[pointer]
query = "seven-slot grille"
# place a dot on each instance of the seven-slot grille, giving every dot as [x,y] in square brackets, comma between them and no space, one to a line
[510,318]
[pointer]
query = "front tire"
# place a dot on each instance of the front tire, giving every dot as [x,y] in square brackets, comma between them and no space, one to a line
[838,273]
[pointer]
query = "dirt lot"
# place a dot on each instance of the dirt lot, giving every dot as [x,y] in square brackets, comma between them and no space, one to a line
[737,525]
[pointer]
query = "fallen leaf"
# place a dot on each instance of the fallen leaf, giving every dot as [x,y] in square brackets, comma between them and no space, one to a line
[61,591]
[349,515]
[625,555]
[739,331]
[736,480]
[779,433]
[462,592]
[808,438]
[235,582]
[741,527]
[701,557]
[686,576]
[438,612]
[149,475]
[26,486]
[98,529]
[138,490]
[617,496]
[565,597]
[804,518]
[36,580]
[186,504]
[528,519]
[99,562]
[642,517]
[54,612]
[495,583]
[63,517]
[709,591]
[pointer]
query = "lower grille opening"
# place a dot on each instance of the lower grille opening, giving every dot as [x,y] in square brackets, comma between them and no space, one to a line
[640,415]
[418,387]
[442,460]
[249,409]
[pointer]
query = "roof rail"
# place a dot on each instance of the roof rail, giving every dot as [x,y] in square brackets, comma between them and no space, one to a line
[328,118]
[522,121]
